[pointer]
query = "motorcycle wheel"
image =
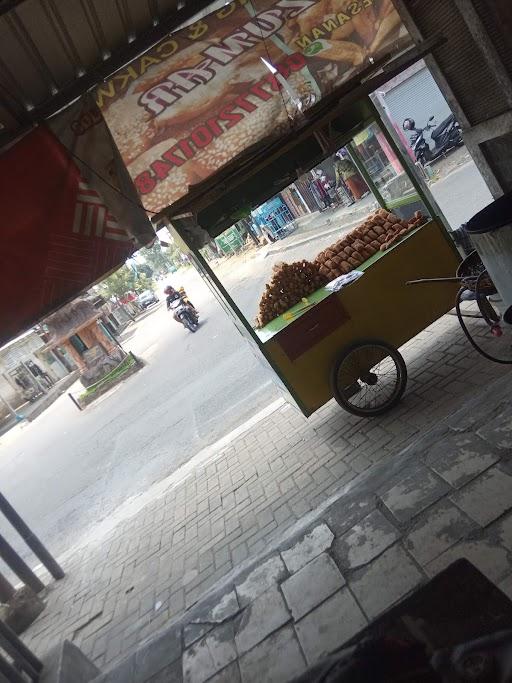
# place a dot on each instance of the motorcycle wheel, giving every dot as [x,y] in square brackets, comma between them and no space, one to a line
[191,325]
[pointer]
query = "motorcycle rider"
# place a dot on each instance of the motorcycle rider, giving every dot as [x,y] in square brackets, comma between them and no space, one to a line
[445,137]
[173,294]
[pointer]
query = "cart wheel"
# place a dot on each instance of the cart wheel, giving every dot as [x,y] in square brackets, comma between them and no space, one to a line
[369,378]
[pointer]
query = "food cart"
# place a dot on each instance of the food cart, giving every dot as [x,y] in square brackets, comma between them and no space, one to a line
[342,344]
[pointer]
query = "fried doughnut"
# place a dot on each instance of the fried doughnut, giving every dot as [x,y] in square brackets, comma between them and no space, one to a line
[343,51]
[387,25]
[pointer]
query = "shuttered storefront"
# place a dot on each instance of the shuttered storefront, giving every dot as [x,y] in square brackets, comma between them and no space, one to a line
[418,97]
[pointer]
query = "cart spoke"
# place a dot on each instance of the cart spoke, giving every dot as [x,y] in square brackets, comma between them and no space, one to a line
[370,378]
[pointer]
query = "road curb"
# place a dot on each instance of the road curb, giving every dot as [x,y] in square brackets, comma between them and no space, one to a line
[314,236]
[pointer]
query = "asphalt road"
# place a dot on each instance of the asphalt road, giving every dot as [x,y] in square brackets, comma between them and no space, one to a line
[461,194]
[68,470]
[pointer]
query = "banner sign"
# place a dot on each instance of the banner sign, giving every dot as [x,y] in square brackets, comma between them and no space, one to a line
[206,93]
[70,215]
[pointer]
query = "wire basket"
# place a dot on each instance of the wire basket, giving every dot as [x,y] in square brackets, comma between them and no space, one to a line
[474,275]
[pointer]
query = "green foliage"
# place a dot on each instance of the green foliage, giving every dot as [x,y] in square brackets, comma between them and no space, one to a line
[158,260]
[125,280]
[162,260]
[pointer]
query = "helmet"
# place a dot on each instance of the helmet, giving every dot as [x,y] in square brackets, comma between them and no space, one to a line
[409,124]
[169,290]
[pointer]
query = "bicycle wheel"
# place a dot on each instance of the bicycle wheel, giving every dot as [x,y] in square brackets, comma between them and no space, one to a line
[483,289]
[369,378]
[496,347]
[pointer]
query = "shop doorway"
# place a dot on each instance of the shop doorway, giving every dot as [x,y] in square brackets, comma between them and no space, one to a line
[452,176]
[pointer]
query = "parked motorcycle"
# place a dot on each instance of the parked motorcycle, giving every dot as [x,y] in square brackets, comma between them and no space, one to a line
[183,312]
[445,136]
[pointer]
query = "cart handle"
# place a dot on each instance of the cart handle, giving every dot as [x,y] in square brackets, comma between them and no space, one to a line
[436,279]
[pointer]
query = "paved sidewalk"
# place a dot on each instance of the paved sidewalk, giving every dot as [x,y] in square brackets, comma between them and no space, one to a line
[158,557]
[446,497]
[321,224]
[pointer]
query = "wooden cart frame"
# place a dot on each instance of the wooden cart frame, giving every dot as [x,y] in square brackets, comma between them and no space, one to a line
[313,356]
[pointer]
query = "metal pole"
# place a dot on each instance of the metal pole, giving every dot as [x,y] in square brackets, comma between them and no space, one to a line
[19,651]
[30,539]
[406,162]
[7,590]
[74,401]
[366,176]
[18,566]
[10,672]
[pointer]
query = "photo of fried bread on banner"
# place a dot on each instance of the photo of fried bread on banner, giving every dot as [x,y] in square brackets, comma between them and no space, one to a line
[249,71]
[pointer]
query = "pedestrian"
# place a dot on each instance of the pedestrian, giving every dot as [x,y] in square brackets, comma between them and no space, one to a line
[318,188]
[347,172]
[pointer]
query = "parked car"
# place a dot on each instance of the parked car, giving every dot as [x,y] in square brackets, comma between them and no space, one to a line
[147,298]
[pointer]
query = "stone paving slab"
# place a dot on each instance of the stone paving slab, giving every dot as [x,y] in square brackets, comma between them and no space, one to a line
[329,626]
[487,555]
[365,541]
[310,546]
[254,583]
[487,498]
[436,531]
[206,529]
[262,664]
[462,458]
[316,589]
[499,431]
[263,616]
[209,655]
[311,585]
[387,579]
[414,493]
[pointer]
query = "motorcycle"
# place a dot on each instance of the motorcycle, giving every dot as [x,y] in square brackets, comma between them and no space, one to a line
[445,136]
[183,312]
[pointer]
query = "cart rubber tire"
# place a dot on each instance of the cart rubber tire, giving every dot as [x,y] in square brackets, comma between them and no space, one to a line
[342,397]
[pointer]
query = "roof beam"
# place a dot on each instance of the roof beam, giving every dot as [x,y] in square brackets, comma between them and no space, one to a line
[8,5]
[117,60]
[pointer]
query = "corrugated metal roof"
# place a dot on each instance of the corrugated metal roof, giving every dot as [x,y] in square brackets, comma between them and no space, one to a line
[51,51]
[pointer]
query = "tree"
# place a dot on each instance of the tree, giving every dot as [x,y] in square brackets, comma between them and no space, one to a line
[125,280]
[144,269]
[160,260]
